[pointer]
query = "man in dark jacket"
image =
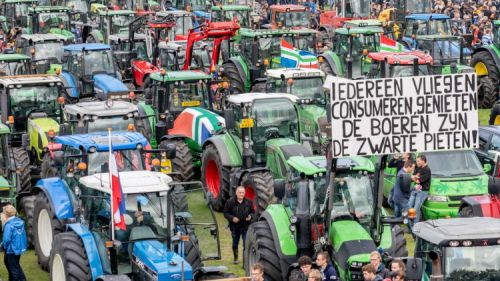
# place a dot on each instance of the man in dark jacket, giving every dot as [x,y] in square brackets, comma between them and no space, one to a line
[401,196]
[397,161]
[328,272]
[14,242]
[239,213]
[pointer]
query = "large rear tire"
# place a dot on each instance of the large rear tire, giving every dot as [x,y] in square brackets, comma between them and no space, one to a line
[215,177]
[192,253]
[182,164]
[231,73]
[28,206]
[488,90]
[21,160]
[68,260]
[260,248]
[179,199]
[47,170]
[466,212]
[45,227]
[259,188]
[398,248]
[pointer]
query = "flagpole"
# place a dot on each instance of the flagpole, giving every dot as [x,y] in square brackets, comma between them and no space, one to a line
[111,188]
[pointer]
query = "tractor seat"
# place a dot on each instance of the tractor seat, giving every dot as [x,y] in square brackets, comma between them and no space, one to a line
[140,233]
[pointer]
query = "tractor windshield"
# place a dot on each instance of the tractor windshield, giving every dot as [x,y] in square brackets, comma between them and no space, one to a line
[117,123]
[429,27]
[15,12]
[472,263]
[199,5]
[13,68]
[78,5]
[27,100]
[270,47]
[353,9]
[353,197]
[182,26]
[242,16]
[52,20]
[454,163]
[496,34]
[304,88]
[441,50]
[120,23]
[183,95]
[407,70]
[293,19]
[126,160]
[49,51]
[99,62]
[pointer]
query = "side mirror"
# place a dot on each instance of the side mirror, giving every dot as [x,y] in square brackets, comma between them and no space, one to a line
[279,188]
[414,268]
[494,186]
[58,161]
[486,168]
[229,117]
[64,58]
[171,150]
[391,220]
[64,129]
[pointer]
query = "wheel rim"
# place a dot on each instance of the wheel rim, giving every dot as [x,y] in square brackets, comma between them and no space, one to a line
[58,273]
[44,228]
[250,194]
[212,178]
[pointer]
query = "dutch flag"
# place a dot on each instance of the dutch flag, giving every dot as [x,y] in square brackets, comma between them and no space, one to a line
[117,198]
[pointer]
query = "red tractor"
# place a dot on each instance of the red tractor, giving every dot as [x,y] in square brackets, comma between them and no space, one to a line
[483,205]
[399,64]
[290,16]
[341,11]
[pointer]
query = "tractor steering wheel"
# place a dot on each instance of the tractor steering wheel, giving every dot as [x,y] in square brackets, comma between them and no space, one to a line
[272,133]
[26,104]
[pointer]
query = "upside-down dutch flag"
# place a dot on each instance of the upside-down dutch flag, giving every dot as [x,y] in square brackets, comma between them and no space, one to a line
[117,202]
[292,58]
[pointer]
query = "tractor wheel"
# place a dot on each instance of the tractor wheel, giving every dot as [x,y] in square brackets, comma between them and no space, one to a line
[182,164]
[47,170]
[68,261]
[488,92]
[398,248]
[21,161]
[466,212]
[327,68]
[259,248]
[27,207]
[192,253]
[179,199]
[231,73]
[45,227]
[259,88]
[260,190]
[215,177]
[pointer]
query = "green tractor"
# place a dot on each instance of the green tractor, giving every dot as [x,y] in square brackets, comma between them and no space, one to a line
[51,19]
[338,211]
[15,64]
[15,13]
[260,50]
[261,128]
[32,105]
[486,62]
[46,51]
[351,46]
[243,13]
[110,22]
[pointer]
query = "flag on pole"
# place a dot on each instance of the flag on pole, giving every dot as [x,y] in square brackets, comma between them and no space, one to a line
[292,58]
[117,203]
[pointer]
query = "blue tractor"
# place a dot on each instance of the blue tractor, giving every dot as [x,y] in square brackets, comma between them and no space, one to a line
[72,216]
[89,72]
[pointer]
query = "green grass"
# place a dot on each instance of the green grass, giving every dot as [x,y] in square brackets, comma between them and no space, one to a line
[30,266]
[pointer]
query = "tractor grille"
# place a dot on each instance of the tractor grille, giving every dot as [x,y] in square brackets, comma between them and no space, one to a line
[355,270]
[459,197]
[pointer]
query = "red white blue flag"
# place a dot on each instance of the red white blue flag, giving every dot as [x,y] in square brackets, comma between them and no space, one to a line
[117,198]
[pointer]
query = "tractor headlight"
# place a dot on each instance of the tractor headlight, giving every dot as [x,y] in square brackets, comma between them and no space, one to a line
[292,228]
[293,219]
[437,198]
[139,146]
[92,149]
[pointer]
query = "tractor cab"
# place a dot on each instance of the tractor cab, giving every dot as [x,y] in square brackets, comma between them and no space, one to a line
[427,24]
[228,13]
[89,70]
[110,22]
[290,16]
[391,65]
[33,108]
[98,116]
[141,7]
[340,11]
[15,13]
[459,248]
[173,55]
[15,64]
[124,55]
[446,51]
[46,51]
[52,19]
[200,8]
[184,21]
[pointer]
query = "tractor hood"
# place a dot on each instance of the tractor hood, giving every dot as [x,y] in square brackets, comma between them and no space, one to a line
[105,85]
[153,258]
[44,124]
[462,186]
[69,37]
[197,124]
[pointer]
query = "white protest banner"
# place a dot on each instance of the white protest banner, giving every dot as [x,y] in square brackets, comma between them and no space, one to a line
[405,114]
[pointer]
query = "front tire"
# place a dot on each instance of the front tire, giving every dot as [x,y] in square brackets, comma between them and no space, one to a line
[182,164]
[45,227]
[21,160]
[231,73]
[398,248]
[259,248]
[259,188]
[466,212]
[179,199]
[68,260]
[27,206]
[47,170]
[489,82]
[215,177]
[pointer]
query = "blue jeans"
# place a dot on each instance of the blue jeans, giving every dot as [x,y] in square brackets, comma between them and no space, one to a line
[417,199]
[236,234]
[399,208]
[14,269]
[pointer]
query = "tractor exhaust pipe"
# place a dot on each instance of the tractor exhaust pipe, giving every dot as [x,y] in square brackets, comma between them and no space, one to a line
[383,73]
[248,153]
[303,224]
[415,67]
[436,275]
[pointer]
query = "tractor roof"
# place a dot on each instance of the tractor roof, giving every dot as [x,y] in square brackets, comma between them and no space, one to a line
[37,38]
[4,129]
[231,8]
[437,37]
[13,57]
[175,13]
[181,75]
[181,45]
[294,72]
[124,37]
[251,97]
[6,81]
[132,182]
[309,165]
[401,58]
[288,8]
[247,32]
[99,108]
[427,17]
[19,1]
[363,23]
[442,231]
[115,12]
[120,141]
[87,47]
[50,9]
[360,30]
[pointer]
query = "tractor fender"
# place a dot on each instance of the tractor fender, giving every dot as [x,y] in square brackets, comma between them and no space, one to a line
[91,248]
[229,153]
[475,203]
[105,84]
[492,52]
[334,62]
[284,243]
[243,71]
[70,84]
[59,195]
